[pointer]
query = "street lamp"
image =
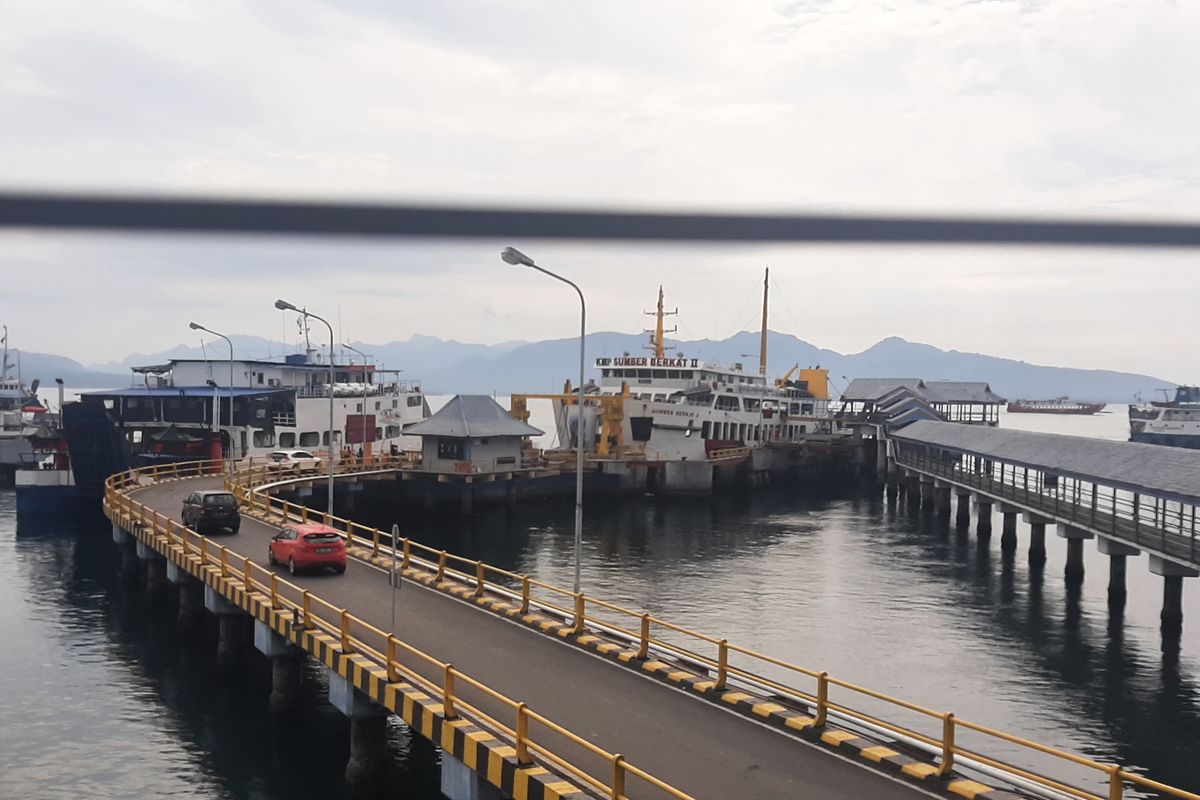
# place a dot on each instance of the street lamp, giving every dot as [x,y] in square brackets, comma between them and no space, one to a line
[363,420]
[216,405]
[283,305]
[197,327]
[513,256]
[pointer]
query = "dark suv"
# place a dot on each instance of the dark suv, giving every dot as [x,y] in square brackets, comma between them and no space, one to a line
[211,511]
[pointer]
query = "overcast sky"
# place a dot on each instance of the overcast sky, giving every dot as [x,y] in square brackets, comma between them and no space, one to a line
[1061,106]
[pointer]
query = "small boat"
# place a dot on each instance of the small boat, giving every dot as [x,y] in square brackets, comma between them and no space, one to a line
[1059,405]
[1175,423]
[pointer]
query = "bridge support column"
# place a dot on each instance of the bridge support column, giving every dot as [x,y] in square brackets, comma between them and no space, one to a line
[927,492]
[941,499]
[287,668]
[156,571]
[1075,537]
[983,508]
[119,536]
[231,632]
[963,516]
[1172,575]
[1037,538]
[460,782]
[368,730]
[1008,534]
[1118,553]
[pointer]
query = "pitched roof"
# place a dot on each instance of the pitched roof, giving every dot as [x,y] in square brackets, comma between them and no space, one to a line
[468,415]
[1150,469]
[874,390]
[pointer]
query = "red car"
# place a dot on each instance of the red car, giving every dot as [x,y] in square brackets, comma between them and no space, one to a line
[308,546]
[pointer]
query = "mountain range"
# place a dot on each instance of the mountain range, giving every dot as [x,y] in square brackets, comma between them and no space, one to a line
[446,366]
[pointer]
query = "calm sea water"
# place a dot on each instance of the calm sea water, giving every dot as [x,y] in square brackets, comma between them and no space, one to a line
[99,697]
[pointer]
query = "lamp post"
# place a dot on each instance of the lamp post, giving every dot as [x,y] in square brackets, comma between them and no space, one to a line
[197,327]
[216,406]
[364,405]
[283,305]
[513,256]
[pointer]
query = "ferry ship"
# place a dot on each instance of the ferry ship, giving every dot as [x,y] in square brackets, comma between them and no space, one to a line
[1175,423]
[168,414]
[1059,405]
[669,407]
[25,424]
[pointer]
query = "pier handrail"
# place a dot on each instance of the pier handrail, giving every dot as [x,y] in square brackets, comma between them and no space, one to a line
[358,636]
[940,738]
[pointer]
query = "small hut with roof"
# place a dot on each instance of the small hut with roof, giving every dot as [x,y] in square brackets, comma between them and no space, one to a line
[471,433]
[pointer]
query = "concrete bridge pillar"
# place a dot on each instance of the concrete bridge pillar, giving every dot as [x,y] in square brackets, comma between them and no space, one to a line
[927,490]
[1118,553]
[287,668]
[983,507]
[1037,538]
[368,730]
[1075,537]
[1172,575]
[963,516]
[191,598]
[460,782]
[231,632]
[1008,534]
[941,501]
[156,571]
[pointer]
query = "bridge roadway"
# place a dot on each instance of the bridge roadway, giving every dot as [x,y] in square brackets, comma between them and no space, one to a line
[684,740]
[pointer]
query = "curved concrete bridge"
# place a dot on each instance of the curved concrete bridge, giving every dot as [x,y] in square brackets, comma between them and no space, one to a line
[533,698]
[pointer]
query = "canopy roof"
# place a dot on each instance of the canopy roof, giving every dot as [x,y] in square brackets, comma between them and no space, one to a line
[471,415]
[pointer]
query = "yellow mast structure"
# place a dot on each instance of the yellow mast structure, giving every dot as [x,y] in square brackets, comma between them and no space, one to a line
[657,342]
[762,345]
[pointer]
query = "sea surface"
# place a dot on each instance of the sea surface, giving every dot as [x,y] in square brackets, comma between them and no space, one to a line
[99,698]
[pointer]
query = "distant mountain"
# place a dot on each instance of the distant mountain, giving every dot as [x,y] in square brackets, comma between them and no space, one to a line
[45,368]
[447,367]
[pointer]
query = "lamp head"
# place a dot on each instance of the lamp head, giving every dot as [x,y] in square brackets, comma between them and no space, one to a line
[284,305]
[195,327]
[512,255]
[212,383]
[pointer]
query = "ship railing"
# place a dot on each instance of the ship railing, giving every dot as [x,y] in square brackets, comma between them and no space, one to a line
[953,743]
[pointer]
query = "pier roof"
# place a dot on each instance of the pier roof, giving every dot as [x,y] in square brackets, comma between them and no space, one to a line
[468,415]
[1149,469]
[872,390]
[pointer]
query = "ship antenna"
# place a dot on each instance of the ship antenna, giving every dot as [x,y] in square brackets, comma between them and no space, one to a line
[762,345]
[657,343]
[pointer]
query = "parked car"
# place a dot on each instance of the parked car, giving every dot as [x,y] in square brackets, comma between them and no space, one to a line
[211,511]
[308,546]
[299,460]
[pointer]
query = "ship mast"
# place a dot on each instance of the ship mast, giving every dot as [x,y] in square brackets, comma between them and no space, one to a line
[4,365]
[762,345]
[657,342]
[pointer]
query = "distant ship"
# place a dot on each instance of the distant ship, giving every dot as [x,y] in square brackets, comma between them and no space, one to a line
[1060,405]
[1175,423]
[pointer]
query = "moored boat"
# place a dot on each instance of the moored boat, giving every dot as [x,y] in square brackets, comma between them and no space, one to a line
[1175,423]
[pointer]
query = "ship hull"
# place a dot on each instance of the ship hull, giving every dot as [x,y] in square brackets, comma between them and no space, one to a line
[1189,441]
[1078,409]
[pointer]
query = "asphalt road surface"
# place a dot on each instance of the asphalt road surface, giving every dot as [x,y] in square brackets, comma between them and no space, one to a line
[689,742]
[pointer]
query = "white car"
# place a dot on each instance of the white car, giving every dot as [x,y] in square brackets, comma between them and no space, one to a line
[299,460]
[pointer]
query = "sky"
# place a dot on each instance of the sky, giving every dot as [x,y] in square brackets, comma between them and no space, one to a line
[1058,107]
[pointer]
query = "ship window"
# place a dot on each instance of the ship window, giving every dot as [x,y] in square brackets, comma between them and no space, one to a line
[686,374]
[414,401]
[310,439]
[660,373]
[392,431]
[706,430]
[727,403]
[378,434]
[287,439]
[377,405]
[606,373]
[264,439]
[673,373]
[260,378]
[395,404]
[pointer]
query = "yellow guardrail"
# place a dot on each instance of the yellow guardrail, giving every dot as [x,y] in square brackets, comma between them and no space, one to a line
[356,635]
[714,654]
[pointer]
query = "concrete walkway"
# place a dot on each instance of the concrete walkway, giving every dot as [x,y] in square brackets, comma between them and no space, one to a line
[682,739]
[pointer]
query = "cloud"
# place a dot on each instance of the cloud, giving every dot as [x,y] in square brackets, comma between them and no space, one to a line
[1069,107]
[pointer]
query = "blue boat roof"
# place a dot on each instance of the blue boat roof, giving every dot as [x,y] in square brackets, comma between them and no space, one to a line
[185,391]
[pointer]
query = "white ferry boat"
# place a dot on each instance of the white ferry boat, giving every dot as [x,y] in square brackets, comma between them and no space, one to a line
[25,424]
[665,407]
[271,405]
[1173,422]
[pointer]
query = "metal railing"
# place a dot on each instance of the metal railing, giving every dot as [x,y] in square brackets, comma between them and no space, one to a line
[825,696]
[1167,527]
[534,737]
